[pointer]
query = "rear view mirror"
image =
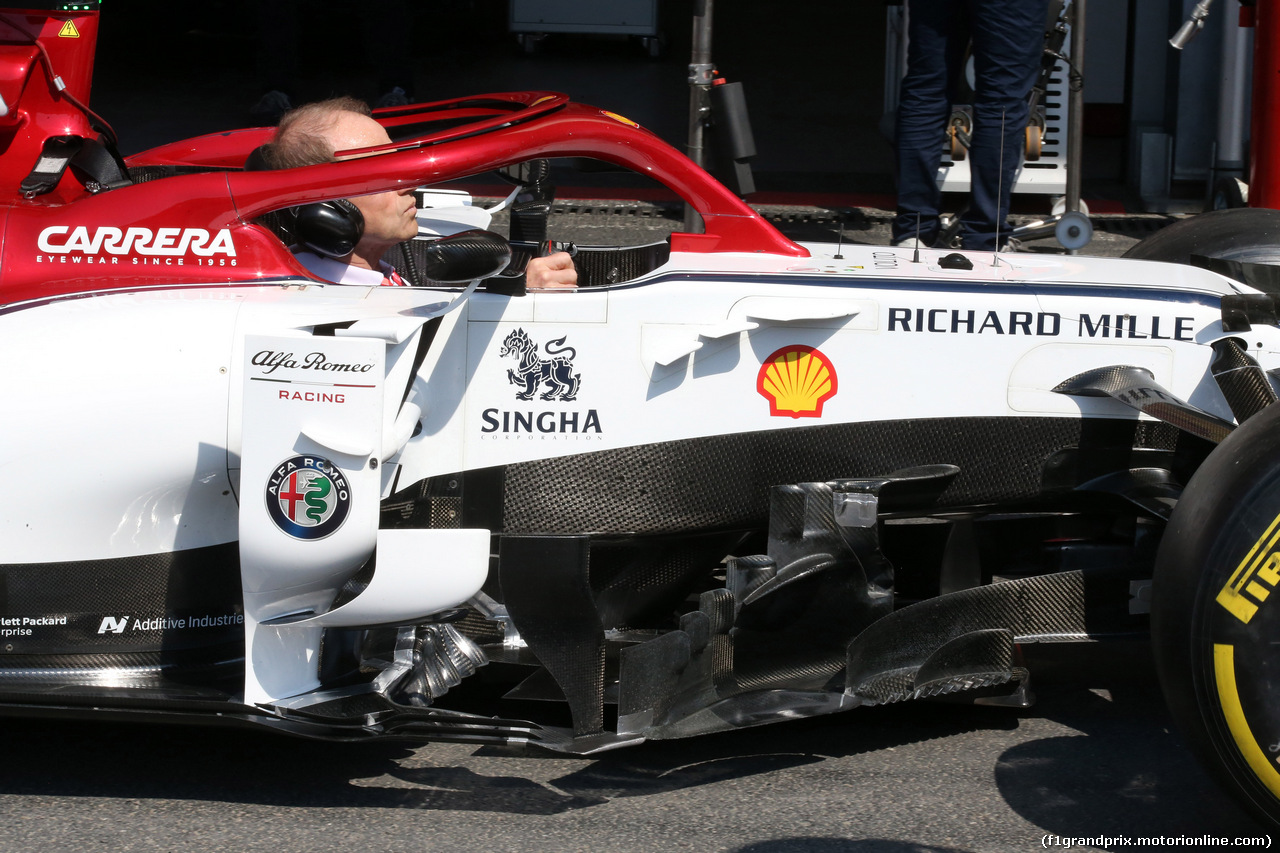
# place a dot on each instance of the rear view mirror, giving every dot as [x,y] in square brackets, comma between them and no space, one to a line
[465,257]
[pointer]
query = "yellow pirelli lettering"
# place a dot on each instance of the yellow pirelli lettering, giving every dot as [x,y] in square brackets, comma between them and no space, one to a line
[1257,574]
[1224,670]
[1236,604]
[1270,571]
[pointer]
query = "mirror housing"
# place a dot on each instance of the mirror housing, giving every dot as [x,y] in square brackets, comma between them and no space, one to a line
[465,257]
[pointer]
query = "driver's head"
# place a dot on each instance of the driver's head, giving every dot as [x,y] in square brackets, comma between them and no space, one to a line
[312,133]
[303,136]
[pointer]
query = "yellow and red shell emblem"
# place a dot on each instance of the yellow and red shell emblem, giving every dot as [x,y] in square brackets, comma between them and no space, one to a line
[797,380]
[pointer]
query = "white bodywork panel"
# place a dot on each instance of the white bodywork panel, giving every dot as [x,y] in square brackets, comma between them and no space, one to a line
[197,396]
[145,415]
[158,409]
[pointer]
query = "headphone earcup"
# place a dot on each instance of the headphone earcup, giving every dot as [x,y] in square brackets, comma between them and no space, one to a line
[328,228]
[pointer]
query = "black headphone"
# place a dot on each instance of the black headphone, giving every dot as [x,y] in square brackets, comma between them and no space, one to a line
[328,228]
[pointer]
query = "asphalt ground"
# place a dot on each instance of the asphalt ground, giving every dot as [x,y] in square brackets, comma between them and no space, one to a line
[1096,758]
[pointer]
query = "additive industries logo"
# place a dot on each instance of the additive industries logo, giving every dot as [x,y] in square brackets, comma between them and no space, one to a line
[308,497]
[797,380]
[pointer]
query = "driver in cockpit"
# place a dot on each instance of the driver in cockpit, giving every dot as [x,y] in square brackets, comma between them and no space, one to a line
[309,135]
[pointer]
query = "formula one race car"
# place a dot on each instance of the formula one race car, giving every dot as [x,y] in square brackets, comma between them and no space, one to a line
[729,480]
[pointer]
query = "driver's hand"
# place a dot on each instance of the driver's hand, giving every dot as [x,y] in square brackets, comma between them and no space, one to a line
[554,272]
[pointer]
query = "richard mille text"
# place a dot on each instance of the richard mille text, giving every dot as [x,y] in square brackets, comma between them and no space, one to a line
[1042,324]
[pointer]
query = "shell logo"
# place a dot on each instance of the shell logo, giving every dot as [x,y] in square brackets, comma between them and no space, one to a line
[797,380]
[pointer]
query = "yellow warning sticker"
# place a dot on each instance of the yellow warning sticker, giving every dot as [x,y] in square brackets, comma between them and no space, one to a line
[69,31]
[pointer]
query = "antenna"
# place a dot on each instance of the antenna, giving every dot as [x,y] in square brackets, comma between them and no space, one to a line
[915,259]
[995,262]
[839,256]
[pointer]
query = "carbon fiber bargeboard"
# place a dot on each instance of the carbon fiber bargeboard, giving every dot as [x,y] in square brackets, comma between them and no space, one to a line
[723,481]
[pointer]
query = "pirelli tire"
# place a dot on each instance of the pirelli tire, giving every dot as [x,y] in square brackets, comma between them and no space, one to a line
[1215,621]
[1249,234]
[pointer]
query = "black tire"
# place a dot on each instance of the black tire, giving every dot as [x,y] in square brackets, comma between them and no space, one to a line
[1214,626]
[1250,234]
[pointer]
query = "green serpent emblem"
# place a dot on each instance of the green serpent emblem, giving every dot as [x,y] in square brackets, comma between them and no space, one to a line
[318,490]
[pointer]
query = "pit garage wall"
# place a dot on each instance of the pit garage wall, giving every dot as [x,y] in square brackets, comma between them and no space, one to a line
[1205,114]
[1186,123]
[1161,105]
[1183,125]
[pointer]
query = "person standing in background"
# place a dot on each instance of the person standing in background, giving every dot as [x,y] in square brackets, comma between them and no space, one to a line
[1007,42]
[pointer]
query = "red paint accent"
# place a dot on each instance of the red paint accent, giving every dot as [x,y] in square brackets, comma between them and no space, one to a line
[1100,205]
[571,130]
[292,496]
[1264,152]
[496,131]
[37,110]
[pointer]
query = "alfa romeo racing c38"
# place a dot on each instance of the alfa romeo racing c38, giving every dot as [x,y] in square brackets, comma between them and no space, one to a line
[731,479]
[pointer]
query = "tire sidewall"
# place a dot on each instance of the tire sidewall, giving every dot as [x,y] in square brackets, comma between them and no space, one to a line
[1220,539]
[1246,234]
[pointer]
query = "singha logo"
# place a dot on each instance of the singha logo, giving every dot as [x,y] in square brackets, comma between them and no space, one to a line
[531,371]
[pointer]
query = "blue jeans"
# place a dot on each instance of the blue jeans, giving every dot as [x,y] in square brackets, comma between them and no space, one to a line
[1008,41]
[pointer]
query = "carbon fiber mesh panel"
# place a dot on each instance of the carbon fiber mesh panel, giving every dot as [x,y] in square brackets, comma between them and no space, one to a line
[169,601]
[348,707]
[959,684]
[549,599]
[480,629]
[435,502]
[1108,380]
[718,605]
[1136,387]
[1047,608]
[757,674]
[1243,382]
[143,174]
[724,481]
[595,265]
